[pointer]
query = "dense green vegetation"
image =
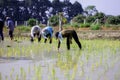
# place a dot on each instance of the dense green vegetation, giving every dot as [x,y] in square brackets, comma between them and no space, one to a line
[23,10]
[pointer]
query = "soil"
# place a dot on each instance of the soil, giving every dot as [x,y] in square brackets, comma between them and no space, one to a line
[86,33]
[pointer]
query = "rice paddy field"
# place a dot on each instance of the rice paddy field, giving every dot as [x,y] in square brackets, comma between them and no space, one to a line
[99,59]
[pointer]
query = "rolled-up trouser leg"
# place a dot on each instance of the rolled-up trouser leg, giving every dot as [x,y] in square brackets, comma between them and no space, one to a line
[45,41]
[39,37]
[50,40]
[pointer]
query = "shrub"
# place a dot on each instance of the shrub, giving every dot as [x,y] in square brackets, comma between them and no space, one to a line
[54,20]
[66,25]
[76,25]
[79,18]
[42,25]
[32,22]
[114,20]
[107,25]
[86,25]
[95,27]
[90,19]
[23,28]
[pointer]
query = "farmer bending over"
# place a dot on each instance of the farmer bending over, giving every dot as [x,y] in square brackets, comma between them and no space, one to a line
[69,34]
[47,32]
[35,30]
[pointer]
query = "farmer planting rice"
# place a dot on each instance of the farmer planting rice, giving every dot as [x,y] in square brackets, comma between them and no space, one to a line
[47,32]
[35,30]
[69,34]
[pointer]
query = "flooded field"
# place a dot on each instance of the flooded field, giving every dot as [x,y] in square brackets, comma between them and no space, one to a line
[23,60]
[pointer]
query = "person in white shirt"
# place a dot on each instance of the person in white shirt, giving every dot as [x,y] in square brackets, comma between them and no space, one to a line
[35,30]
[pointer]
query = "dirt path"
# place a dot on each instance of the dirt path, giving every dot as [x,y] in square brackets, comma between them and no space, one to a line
[104,34]
[93,34]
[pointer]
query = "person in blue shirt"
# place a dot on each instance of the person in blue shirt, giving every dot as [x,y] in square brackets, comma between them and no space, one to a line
[35,30]
[1,29]
[47,32]
[10,26]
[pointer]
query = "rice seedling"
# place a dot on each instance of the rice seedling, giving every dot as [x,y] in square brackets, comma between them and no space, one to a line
[17,77]
[96,55]
[0,76]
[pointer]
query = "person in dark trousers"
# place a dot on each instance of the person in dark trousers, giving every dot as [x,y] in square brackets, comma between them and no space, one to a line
[47,32]
[69,34]
[35,30]
[1,29]
[10,26]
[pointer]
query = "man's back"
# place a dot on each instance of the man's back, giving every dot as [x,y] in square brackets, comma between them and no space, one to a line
[11,24]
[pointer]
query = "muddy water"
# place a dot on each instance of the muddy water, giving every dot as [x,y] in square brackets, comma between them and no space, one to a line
[51,65]
[22,67]
[12,69]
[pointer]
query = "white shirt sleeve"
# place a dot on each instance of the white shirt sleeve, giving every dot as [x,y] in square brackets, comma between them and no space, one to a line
[43,34]
[60,37]
[32,32]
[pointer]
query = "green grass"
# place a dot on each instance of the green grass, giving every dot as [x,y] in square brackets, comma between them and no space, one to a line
[95,59]
[23,28]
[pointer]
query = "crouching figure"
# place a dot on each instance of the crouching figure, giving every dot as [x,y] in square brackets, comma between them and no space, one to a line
[35,31]
[47,33]
[69,34]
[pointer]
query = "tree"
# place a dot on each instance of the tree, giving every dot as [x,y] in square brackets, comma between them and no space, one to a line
[118,19]
[54,20]
[90,19]
[67,9]
[2,2]
[91,10]
[28,2]
[32,22]
[101,17]
[57,6]
[79,18]
[113,20]
[39,9]
[76,9]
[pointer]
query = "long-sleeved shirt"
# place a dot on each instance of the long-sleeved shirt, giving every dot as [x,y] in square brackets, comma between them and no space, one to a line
[35,29]
[10,24]
[47,31]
